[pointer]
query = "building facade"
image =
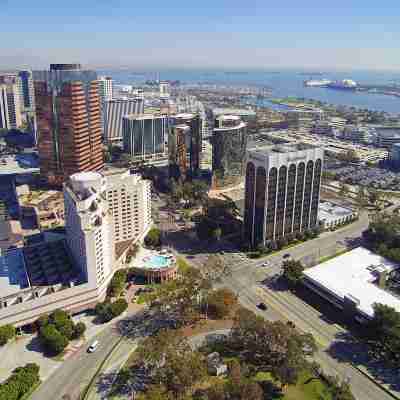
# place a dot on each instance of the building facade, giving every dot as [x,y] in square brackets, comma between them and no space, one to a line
[282,191]
[114,112]
[229,142]
[145,137]
[129,202]
[10,106]
[105,88]
[69,122]
[90,227]
[27,90]
[185,145]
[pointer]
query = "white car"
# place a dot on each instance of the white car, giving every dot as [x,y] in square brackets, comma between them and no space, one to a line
[265,264]
[92,348]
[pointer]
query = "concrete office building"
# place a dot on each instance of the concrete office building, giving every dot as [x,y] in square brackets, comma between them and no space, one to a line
[247,116]
[229,141]
[129,202]
[387,136]
[114,112]
[145,137]
[394,156]
[164,89]
[69,121]
[282,191]
[105,88]
[10,106]
[188,141]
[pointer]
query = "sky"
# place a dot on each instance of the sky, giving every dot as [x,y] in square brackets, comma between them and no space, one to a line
[206,34]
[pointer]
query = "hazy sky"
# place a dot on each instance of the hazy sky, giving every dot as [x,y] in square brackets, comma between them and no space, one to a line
[230,34]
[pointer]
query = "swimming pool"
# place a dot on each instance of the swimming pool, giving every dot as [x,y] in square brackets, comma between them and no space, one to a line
[158,262]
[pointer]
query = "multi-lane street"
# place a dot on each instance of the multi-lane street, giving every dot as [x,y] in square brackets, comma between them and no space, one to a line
[247,278]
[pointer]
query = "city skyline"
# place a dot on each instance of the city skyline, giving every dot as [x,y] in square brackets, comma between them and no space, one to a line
[216,35]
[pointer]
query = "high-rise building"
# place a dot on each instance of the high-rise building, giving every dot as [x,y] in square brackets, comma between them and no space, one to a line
[185,144]
[114,111]
[90,227]
[68,120]
[129,202]
[4,118]
[164,89]
[145,136]
[178,136]
[282,191]
[27,90]
[105,212]
[105,88]
[10,107]
[229,141]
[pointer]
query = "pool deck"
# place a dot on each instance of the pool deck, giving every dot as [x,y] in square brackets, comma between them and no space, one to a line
[140,260]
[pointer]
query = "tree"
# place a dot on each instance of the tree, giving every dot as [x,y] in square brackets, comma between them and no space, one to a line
[374,196]
[172,362]
[79,330]
[293,272]
[106,311]
[181,300]
[342,392]
[282,351]
[214,268]
[20,382]
[221,303]
[52,339]
[153,238]
[7,332]
[118,307]
[383,333]
[361,197]
[118,282]
[62,322]
[156,392]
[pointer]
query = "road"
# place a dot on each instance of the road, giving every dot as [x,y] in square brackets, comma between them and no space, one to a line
[76,372]
[247,279]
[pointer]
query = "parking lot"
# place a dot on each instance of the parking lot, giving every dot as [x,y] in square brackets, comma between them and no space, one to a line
[378,178]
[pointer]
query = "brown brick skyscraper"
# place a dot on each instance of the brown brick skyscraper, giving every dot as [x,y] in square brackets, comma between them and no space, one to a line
[68,121]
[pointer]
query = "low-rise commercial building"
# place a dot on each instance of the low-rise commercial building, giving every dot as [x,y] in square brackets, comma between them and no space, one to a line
[331,215]
[354,282]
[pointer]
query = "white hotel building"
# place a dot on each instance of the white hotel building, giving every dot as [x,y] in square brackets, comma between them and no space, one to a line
[105,213]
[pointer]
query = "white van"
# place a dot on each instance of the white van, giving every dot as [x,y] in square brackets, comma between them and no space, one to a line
[92,348]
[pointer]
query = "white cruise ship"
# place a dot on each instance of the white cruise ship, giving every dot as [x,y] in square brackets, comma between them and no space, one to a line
[317,82]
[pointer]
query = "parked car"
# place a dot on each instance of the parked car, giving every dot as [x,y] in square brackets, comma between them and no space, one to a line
[262,306]
[286,255]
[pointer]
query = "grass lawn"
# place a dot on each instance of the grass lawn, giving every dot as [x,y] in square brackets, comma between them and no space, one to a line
[307,388]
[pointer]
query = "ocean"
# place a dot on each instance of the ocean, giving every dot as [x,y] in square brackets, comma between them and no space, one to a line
[282,83]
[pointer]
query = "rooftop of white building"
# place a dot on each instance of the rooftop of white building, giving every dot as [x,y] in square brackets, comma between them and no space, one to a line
[353,275]
[330,212]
